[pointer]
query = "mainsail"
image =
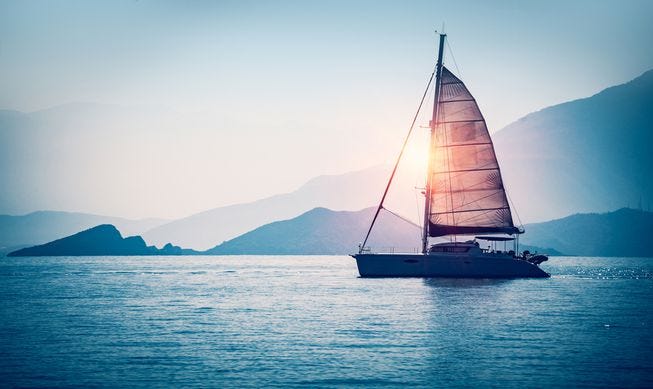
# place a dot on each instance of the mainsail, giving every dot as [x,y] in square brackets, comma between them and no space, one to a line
[467,193]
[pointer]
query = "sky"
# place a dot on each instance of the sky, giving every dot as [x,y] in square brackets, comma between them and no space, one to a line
[268,94]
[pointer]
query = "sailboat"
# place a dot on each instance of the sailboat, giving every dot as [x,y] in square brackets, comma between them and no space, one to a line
[464,196]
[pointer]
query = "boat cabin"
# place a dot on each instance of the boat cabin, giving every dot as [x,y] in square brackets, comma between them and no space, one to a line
[473,247]
[494,244]
[466,248]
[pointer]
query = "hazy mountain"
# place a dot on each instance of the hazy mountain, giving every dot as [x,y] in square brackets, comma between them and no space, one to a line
[142,160]
[587,155]
[45,226]
[620,233]
[322,231]
[351,191]
[75,156]
[104,239]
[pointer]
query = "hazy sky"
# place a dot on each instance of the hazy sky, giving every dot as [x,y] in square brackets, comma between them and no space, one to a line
[314,87]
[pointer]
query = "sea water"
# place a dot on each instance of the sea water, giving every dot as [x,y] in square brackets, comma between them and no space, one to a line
[310,321]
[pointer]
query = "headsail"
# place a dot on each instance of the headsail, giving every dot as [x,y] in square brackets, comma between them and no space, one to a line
[467,196]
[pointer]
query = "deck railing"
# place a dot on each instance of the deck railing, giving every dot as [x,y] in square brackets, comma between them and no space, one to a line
[392,250]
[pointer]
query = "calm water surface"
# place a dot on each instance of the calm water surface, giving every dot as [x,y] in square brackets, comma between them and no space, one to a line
[309,321]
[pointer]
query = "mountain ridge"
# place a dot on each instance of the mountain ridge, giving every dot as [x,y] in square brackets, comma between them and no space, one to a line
[610,234]
[585,155]
[43,226]
[101,240]
[322,231]
[204,229]
[563,159]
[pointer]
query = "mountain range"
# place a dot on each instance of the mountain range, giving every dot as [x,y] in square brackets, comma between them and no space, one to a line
[350,191]
[322,231]
[45,226]
[318,231]
[587,155]
[619,233]
[325,232]
[51,159]
[104,239]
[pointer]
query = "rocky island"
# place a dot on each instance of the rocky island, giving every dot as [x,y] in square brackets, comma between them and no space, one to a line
[104,239]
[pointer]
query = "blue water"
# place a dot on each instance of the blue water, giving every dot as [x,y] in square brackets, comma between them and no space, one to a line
[309,321]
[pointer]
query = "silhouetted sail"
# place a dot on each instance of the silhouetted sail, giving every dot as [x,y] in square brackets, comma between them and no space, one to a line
[468,196]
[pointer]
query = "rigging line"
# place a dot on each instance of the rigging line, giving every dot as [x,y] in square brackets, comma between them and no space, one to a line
[451,191]
[478,138]
[474,210]
[454,59]
[467,170]
[512,207]
[462,121]
[455,101]
[480,168]
[394,170]
[460,110]
[400,217]
[472,188]
[482,214]
[447,153]
[465,144]
[419,221]
[457,209]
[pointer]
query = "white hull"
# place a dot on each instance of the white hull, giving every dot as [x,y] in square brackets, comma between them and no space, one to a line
[446,265]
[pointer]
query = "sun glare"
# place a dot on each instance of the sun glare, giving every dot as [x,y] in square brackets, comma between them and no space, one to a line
[415,158]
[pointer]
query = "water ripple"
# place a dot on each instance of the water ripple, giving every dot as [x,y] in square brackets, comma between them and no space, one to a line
[310,321]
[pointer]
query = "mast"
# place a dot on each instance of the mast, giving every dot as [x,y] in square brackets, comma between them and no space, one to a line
[429,175]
